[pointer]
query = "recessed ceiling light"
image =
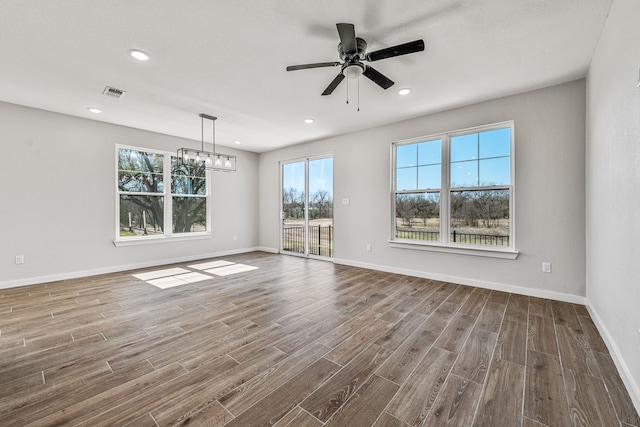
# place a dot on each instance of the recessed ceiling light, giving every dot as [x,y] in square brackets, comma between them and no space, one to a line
[139,55]
[94,110]
[237,142]
[404,91]
[308,120]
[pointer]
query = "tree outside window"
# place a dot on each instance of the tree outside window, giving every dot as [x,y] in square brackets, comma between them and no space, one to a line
[144,199]
[467,202]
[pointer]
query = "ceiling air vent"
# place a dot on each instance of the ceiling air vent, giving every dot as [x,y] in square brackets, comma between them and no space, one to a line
[113,92]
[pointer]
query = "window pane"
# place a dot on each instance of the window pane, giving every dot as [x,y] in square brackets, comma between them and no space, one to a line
[141,215]
[320,192]
[140,171]
[407,179]
[418,216]
[140,182]
[464,174]
[464,147]
[188,185]
[134,160]
[189,214]
[480,217]
[429,177]
[188,178]
[495,143]
[495,171]
[406,155]
[430,152]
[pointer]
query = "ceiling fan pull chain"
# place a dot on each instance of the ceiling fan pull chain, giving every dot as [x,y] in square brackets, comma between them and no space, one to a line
[358,94]
[347,90]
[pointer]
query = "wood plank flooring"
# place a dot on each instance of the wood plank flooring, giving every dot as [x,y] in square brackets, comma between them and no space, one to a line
[299,342]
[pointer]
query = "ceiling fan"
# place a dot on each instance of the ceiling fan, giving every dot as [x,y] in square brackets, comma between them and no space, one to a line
[352,51]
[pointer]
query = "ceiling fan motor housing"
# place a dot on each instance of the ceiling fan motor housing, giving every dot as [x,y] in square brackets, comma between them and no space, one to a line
[358,55]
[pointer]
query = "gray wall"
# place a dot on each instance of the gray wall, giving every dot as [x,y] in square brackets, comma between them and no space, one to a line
[550,219]
[58,195]
[613,189]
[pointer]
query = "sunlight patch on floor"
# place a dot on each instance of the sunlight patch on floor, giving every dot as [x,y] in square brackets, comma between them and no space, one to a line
[231,269]
[212,264]
[171,277]
[160,273]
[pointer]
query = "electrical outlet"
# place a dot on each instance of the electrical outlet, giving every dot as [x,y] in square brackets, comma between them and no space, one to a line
[235,238]
[19,259]
[346,201]
[369,248]
[546,267]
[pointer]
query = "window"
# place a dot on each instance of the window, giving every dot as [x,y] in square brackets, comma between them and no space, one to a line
[455,189]
[145,204]
[189,196]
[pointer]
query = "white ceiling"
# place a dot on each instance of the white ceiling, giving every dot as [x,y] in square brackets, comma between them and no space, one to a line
[228,59]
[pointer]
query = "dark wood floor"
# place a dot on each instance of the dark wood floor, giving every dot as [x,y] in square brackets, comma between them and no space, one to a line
[300,342]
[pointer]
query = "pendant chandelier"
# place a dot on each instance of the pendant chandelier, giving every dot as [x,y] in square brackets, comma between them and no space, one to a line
[212,160]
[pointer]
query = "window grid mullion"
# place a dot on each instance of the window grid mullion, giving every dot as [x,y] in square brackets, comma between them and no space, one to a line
[168,200]
[444,194]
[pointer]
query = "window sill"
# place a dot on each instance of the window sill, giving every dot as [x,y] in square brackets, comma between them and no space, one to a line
[133,241]
[461,250]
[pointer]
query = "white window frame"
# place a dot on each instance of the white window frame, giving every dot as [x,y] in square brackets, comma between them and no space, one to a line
[168,234]
[445,245]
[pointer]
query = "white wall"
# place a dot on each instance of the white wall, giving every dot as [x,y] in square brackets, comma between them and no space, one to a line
[550,225]
[613,188]
[58,193]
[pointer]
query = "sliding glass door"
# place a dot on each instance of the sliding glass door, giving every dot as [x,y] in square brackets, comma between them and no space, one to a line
[307,207]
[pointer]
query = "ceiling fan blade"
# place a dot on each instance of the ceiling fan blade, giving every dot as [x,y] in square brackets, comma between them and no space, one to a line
[316,65]
[333,84]
[347,38]
[401,49]
[377,77]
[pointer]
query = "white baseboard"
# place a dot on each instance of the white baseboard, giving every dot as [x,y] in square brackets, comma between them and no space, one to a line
[614,351]
[269,250]
[119,268]
[540,293]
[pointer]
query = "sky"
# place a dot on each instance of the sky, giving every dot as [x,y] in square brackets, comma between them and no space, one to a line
[477,159]
[320,175]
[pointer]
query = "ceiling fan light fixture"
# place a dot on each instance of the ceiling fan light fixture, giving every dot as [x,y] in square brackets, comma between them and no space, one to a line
[404,91]
[354,71]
